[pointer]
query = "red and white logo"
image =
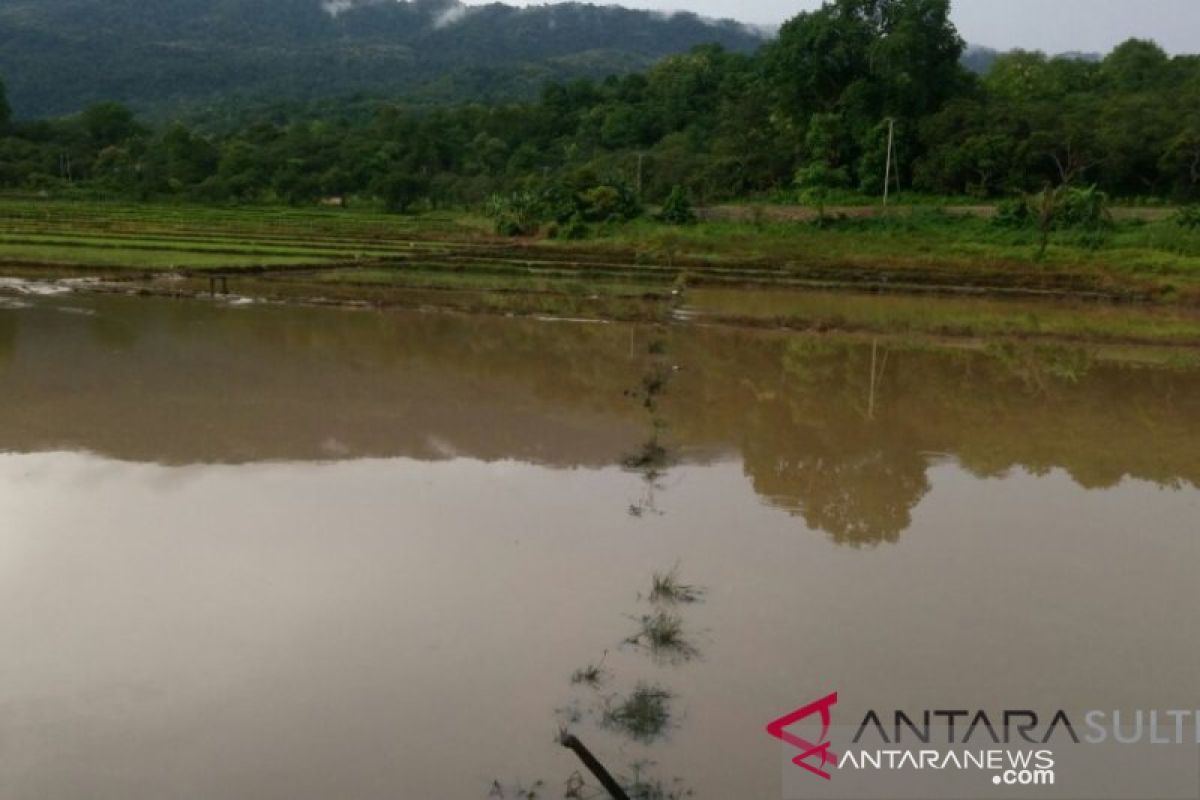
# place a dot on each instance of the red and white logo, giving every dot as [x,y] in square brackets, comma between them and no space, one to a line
[809,752]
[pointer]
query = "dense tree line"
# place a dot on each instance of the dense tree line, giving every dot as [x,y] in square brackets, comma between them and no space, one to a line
[808,114]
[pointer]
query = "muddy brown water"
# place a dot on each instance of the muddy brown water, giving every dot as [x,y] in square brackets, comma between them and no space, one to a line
[266,552]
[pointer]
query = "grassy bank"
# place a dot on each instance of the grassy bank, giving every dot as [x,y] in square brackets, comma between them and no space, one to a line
[921,247]
[945,274]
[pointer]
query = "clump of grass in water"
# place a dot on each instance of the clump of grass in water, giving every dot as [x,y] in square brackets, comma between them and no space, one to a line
[593,675]
[568,715]
[651,460]
[662,634]
[575,787]
[667,588]
[517,791]
[643,716]
[651,456]
[655,381]
[643,787]
[638,786]
[654,384]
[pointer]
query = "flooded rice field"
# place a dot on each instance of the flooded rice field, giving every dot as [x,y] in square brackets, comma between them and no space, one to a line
[277,552]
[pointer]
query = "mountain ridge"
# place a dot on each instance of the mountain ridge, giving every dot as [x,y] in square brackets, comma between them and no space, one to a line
[57,56]
[173,57]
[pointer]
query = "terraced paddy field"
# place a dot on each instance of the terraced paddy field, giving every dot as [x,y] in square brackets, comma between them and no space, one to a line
[915,274]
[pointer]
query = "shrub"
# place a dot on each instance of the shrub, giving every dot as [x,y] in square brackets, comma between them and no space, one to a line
[400,190]
[574,229]
[677,209]
[557,202]
[608,203]
[1013,213]
[1082,209]
[816,182]
[1188,217]
[516,214]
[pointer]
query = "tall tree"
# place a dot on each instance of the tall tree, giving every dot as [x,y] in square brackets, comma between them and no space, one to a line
[870,57]
[109,124]
[1136,65]
[866,60]
[5,109]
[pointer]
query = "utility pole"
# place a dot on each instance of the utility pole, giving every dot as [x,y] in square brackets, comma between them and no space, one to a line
[887,172]
[641,156]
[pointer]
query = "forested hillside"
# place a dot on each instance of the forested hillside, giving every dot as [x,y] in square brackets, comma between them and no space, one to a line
[58,56]
[804,117]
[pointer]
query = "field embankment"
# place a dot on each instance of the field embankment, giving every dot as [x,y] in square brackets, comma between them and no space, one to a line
[943,273]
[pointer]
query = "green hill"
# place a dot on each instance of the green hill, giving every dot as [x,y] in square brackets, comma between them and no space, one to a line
[57,56]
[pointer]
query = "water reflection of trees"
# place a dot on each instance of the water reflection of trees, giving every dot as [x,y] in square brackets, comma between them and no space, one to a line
[824,443]
[835,431]
[799,409]
[8,334]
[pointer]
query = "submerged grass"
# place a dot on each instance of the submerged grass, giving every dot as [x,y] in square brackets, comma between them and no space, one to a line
[640,786]
[591,675]
[662,635]
[650,459]
[667,588]
[518,790]
[644,715]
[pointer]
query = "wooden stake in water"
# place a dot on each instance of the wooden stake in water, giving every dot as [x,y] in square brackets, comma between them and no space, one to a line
[594,766]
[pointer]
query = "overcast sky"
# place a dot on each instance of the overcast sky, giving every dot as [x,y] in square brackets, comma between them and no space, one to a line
[1050,25]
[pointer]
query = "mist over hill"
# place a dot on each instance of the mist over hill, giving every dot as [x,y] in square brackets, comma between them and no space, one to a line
[57,56]
[979,59]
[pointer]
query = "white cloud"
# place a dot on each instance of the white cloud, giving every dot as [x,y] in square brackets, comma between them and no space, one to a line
[450,16]
[335,7]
